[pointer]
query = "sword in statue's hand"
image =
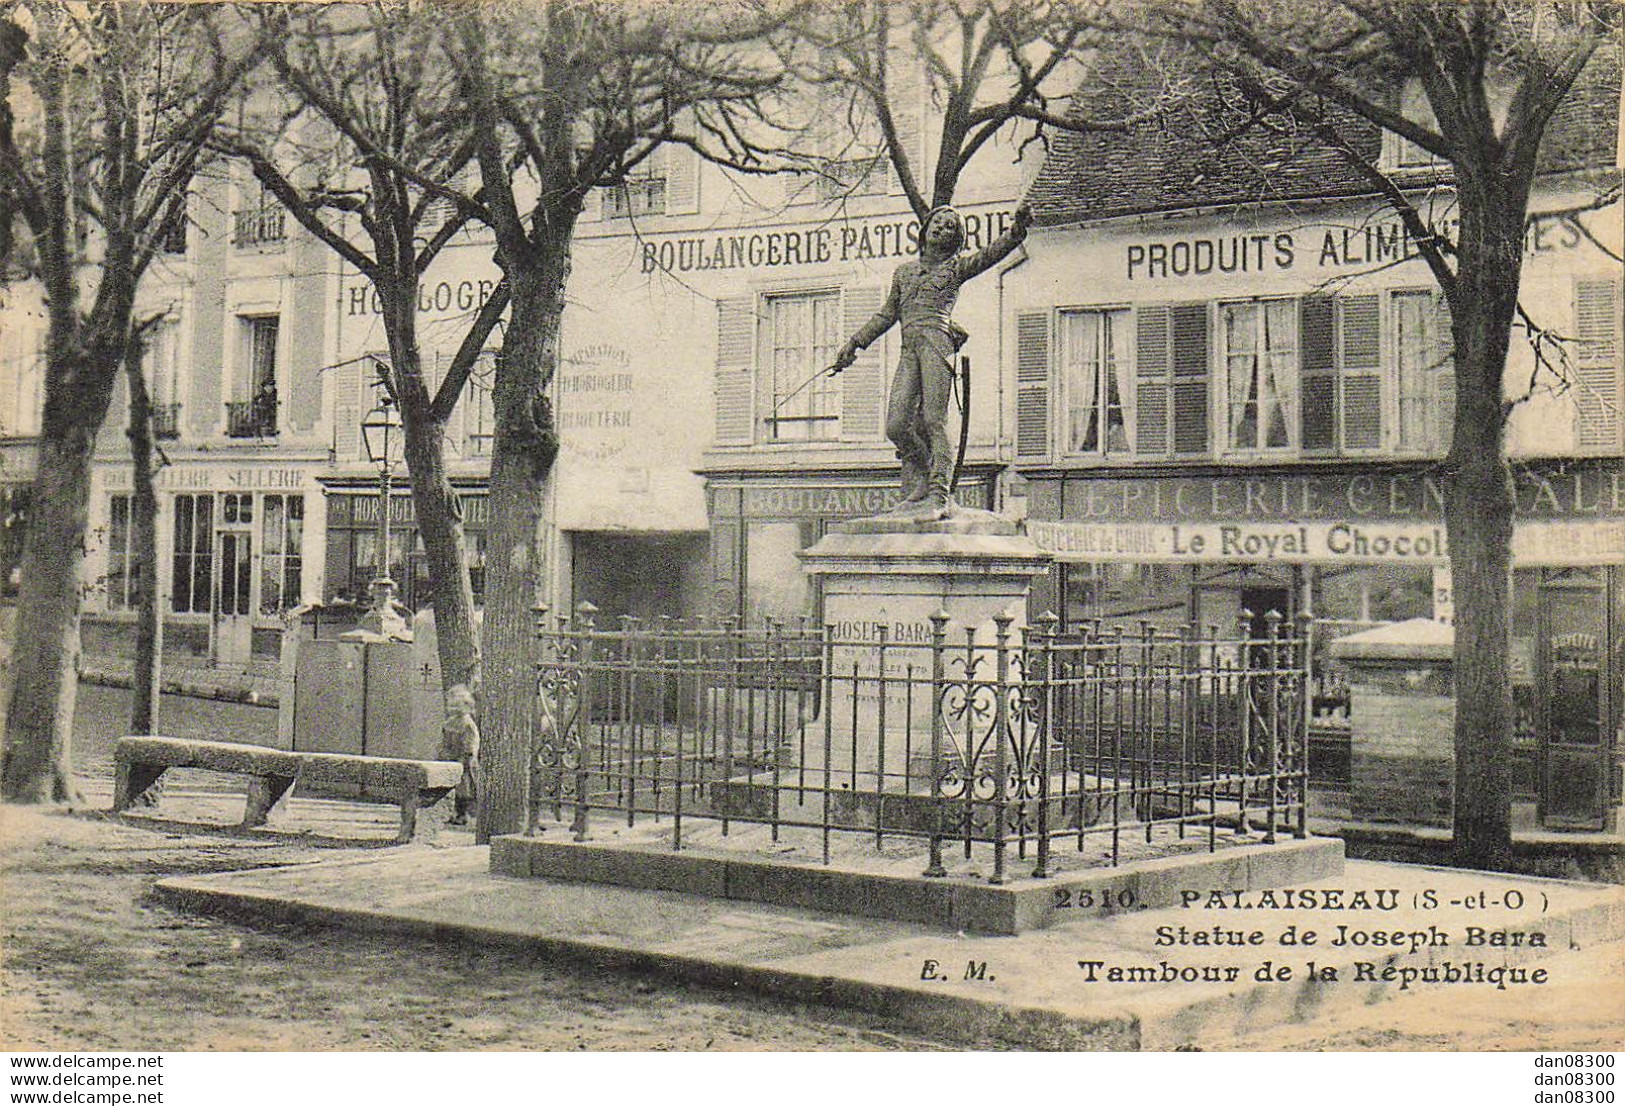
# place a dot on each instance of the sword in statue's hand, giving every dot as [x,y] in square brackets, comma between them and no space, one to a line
[842,360]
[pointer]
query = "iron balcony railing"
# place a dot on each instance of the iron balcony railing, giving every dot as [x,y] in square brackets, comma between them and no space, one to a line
[166,421]
[1004,739]
[258,227]
[253,418]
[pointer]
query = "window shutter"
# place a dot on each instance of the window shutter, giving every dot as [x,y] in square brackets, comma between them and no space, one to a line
[736,344]
[1444,360]
[1032,385]
[1189,324]
[1316,320]
[682,180]
[347,410]
[1596,365]
[860,382]
[1360,336]
[1153,363]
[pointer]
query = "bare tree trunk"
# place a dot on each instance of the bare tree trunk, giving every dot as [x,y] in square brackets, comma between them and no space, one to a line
[1479,518]
[149,625]
[434,501]
[36,765]
[526,445]
[440,527]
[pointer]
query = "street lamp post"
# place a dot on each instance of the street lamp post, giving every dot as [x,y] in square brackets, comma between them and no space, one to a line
[385,444]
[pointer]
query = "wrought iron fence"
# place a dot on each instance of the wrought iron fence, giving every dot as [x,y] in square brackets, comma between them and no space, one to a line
[1015,740]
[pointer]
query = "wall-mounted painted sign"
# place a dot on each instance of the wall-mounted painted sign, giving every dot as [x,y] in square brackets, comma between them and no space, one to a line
[444,297]
[857,240]
[195,478]
[1366,244]
[596,390]
[1542,543]
[1208,541]
[1588,492]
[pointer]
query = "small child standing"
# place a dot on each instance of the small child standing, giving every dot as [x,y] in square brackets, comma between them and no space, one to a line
[460,741]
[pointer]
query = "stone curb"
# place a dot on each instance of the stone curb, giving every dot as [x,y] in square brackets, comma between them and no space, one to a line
[223,693]
[954,1018]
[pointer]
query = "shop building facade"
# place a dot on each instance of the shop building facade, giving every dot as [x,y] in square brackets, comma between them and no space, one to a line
[1242,407]
[234,364]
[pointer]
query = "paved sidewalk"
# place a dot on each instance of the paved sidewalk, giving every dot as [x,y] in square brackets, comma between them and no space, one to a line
[1139,979]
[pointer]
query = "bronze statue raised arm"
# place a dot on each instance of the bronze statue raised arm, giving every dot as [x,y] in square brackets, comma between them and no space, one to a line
[921,299]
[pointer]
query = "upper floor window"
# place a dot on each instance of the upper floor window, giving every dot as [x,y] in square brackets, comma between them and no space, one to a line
[1402,153]
[163,386]
[803,333]
[664,183]
[637,195]
[252,413]
[1424,371]
[172,233]
[479,416]
[1597,371]
[1098,378]
[1260,366]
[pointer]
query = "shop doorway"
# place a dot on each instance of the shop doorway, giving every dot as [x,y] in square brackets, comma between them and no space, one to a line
[642,576]
[1574,712]
[233,598]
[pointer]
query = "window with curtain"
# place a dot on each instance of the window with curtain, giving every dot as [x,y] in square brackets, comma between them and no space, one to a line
[1098,373]
[282,531]
[1422,361]
[1261,366]
[804,333]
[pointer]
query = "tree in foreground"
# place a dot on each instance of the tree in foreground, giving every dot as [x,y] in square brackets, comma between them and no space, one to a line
[368,86]
[104,116]
[933,84]
[566,96]
[1492,73]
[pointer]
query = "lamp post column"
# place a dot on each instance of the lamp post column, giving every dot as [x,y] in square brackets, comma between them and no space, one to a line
[383,585]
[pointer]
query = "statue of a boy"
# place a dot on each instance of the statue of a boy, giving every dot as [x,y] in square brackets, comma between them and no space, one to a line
[921,299]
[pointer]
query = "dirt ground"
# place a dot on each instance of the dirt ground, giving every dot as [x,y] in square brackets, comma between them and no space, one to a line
[88,961]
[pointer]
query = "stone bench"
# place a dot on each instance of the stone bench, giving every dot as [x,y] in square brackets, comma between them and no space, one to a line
[414,784]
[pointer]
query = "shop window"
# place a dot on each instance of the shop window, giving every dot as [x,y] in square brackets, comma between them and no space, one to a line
[192,564]
[282,532]
[775,586]
[13,526]
[474,554]
[1098,377]
[803,333]
[1125,594]
[1424,371]
[123,569]
[1260,362]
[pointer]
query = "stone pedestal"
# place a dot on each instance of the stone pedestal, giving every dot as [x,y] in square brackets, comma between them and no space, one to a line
[883,579]
[1402,711]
